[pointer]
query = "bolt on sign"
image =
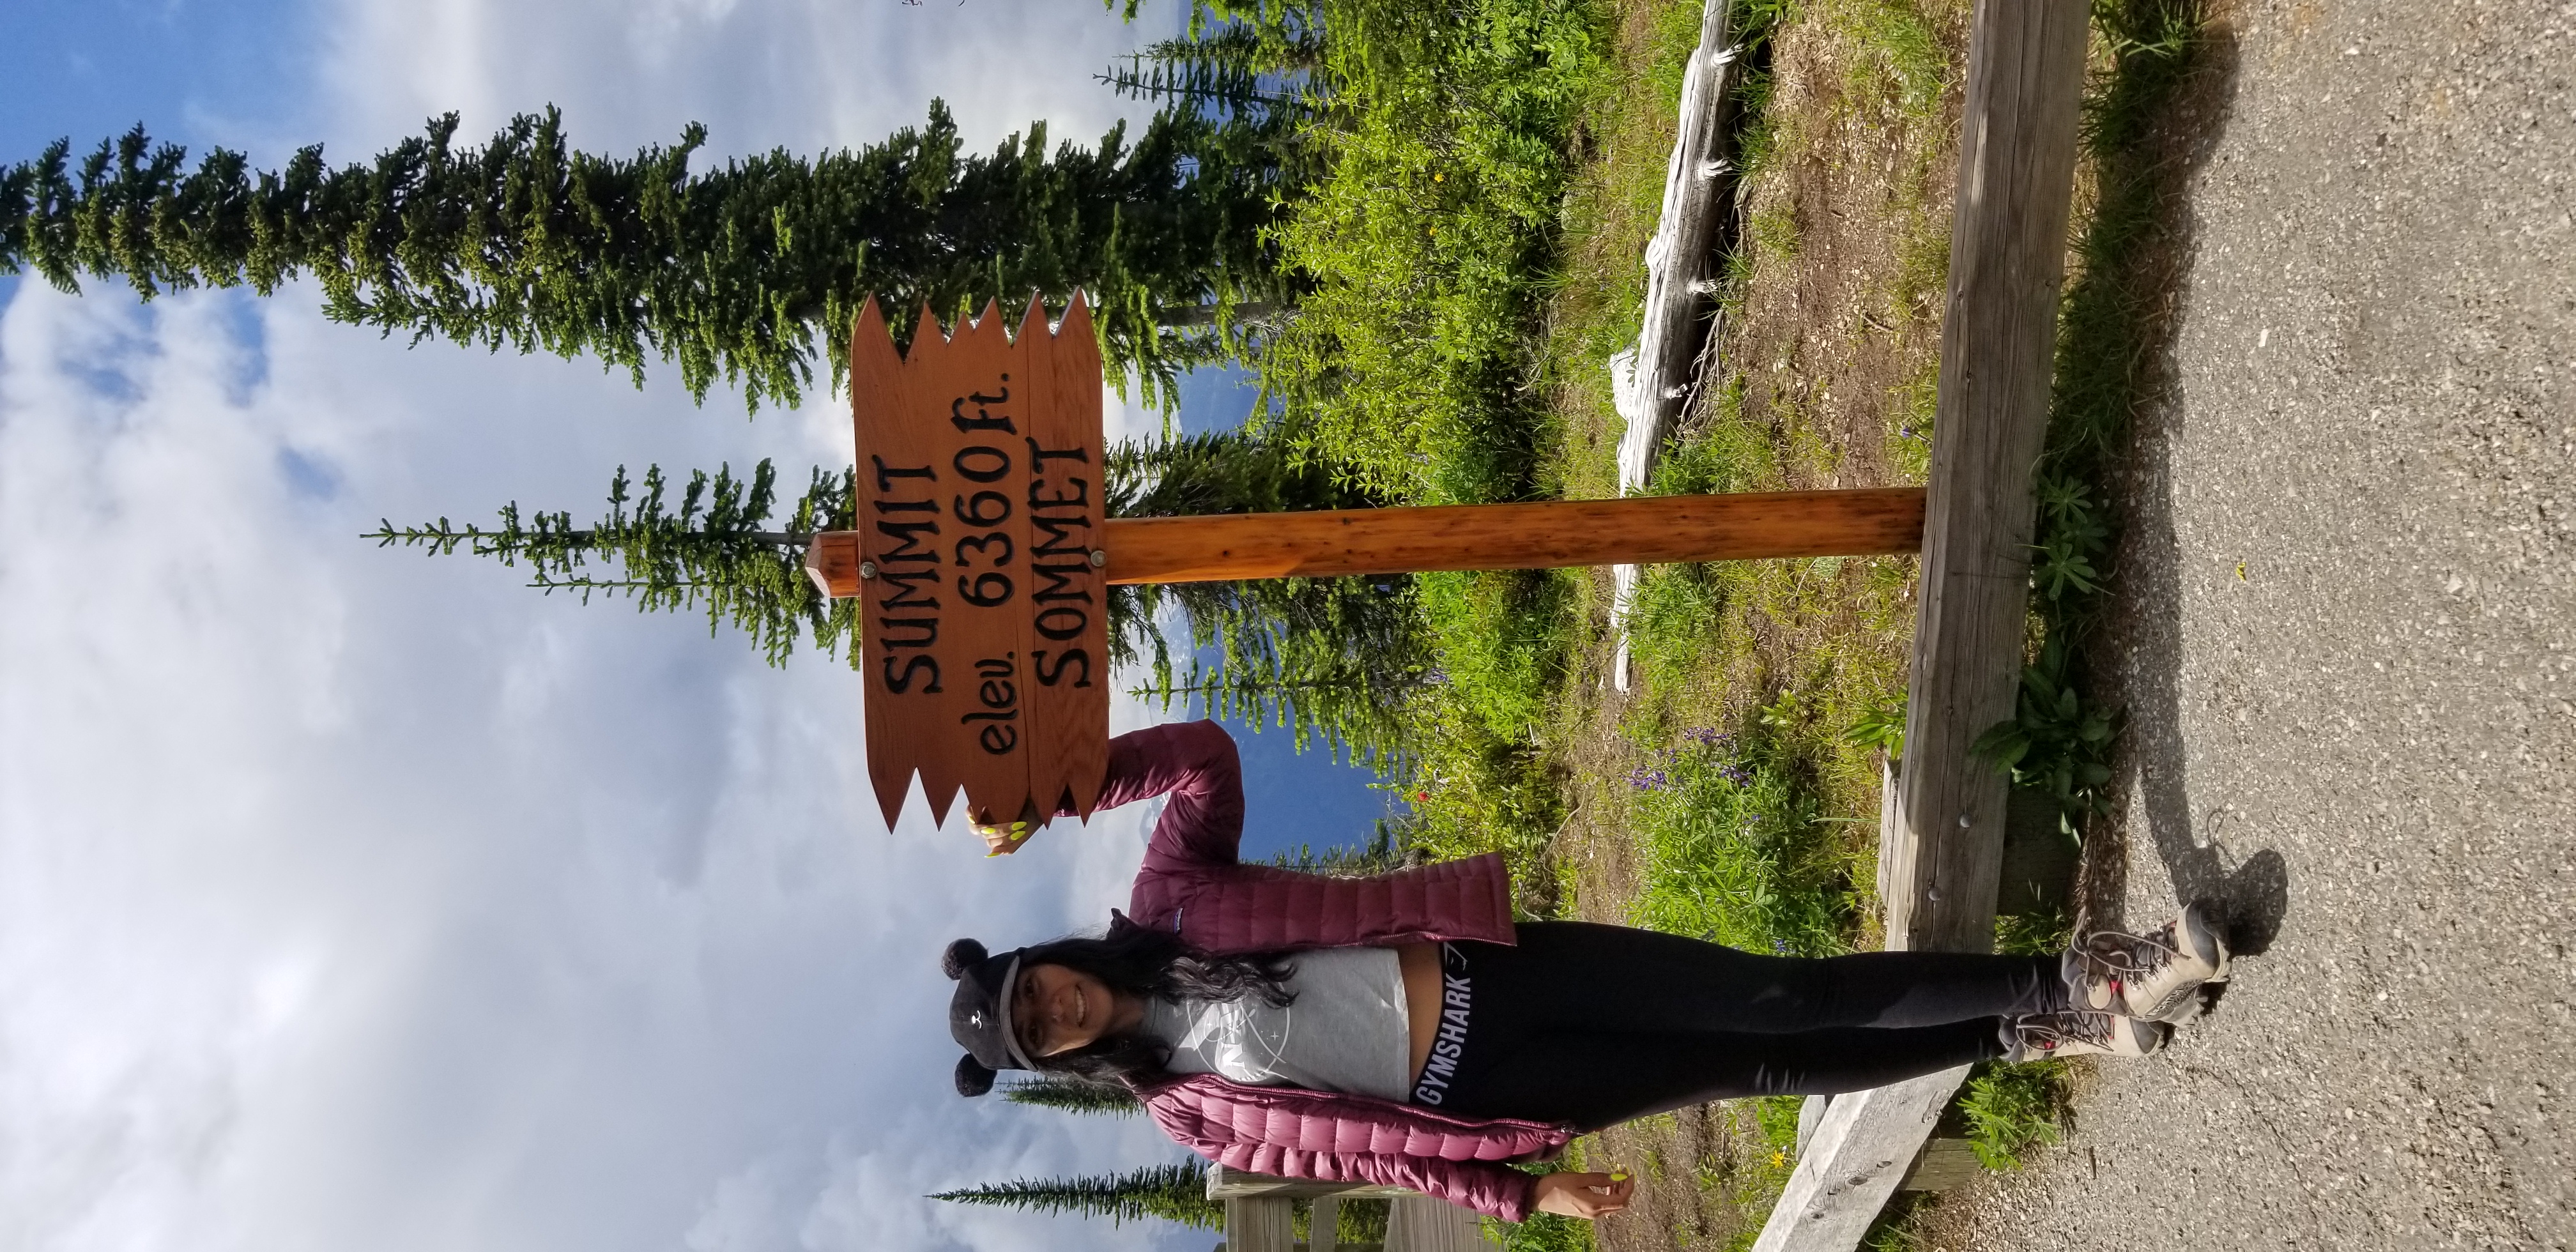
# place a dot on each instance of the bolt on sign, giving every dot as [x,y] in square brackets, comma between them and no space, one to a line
[979,563]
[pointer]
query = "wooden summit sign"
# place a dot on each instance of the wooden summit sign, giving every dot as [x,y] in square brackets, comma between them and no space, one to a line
[978,556]
[985,560]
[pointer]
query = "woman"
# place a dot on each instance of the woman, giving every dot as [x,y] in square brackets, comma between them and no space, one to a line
[1402,1030]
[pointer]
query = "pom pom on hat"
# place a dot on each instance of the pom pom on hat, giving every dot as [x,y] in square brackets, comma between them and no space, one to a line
[963,955]
[973,1079]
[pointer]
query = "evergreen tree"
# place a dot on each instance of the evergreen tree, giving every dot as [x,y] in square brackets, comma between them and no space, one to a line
[1329,657]
[733,271]
[1255,81]
[1384,853]
[1073,1095]
[1238,71]
[1172,1192]
[712,552]
[1324,656]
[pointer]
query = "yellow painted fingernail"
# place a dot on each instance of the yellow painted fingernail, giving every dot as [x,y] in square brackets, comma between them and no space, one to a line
[1618,1175]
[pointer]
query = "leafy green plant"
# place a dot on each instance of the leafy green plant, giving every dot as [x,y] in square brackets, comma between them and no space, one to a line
[2058,741]
[1422,249]
[2072,538]
[2011,1109]
[1880,727]
[1471,790]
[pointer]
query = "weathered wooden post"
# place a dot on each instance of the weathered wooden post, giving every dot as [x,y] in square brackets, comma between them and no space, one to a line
[1942,837]
[985,558]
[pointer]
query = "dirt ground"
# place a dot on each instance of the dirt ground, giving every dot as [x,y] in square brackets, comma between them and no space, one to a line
[2343,648]
[2347,655]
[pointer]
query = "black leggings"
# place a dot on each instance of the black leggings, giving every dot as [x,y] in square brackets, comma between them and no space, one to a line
[1593,1025]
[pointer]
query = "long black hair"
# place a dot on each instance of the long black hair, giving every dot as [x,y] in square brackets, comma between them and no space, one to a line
[1151,963]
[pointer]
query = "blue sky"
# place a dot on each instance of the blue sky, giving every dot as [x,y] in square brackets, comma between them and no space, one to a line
[354,899]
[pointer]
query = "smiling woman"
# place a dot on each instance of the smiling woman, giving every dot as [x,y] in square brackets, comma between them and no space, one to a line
[1403,1030]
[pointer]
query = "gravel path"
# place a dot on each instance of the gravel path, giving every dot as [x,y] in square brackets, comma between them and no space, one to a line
[2364,737]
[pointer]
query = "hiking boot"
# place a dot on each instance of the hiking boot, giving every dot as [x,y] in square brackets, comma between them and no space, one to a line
[2042,1036]
[2156,976]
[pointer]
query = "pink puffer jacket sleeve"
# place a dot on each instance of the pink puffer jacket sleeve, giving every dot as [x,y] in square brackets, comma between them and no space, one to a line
[1194,766]
[1296,1133]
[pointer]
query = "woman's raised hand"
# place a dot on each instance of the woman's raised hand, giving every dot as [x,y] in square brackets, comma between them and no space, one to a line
[1005,838]
[1583,1195]
[1002,840]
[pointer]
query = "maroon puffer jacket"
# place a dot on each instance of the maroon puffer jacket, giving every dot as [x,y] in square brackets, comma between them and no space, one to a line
[1193,883]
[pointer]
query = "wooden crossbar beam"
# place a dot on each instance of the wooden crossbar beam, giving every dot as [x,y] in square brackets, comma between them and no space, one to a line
[1641,529]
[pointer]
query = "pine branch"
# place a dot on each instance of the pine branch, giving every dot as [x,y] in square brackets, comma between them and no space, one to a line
[1074,1096]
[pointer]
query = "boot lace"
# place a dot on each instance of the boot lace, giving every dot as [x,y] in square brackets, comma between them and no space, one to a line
[2047,1032]
[2123,957]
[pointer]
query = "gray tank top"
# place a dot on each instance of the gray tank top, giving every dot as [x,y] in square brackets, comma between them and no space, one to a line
[1346,1032]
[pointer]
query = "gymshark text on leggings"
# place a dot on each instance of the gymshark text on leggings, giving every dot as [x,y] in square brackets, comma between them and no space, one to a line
[1456,992]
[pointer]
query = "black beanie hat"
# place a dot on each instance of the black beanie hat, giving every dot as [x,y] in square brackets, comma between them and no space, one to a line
[979,1014]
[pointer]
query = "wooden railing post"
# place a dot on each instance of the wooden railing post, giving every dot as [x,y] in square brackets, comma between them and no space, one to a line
[1260,1224]
[1998,340]
[1417,1223]
[1941,846]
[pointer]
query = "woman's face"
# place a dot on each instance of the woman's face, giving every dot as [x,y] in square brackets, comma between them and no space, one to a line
[1055,1008]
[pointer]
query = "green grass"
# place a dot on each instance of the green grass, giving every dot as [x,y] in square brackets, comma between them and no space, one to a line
[1747,1177]
[1734,851]
[1900,53]
[1544,1232]
[2033,934]
[2013,1109]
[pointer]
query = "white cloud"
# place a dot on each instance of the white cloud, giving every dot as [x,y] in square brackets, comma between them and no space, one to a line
[359,899]
[349,898]
[799,73]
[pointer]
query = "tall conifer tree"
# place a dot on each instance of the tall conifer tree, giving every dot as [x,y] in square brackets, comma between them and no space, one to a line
[1332,657]
[1172,1192]
[733,271]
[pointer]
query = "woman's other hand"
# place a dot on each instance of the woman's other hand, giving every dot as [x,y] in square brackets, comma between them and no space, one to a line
[1583,1195]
